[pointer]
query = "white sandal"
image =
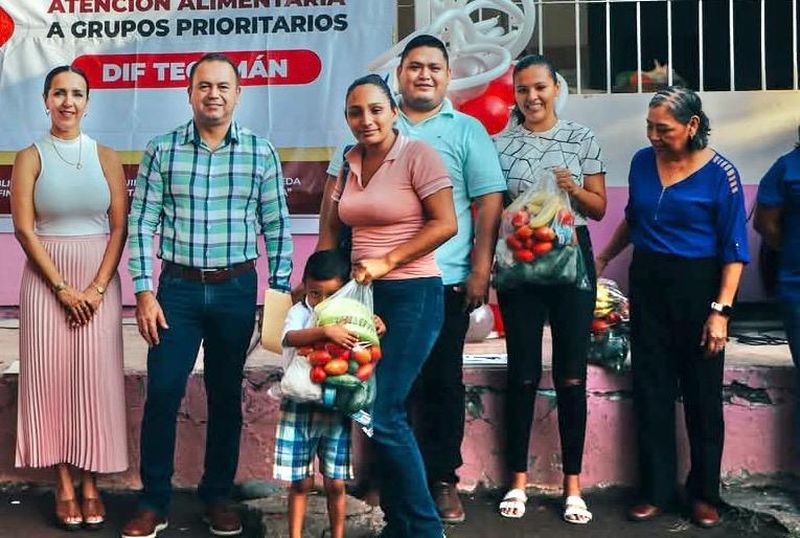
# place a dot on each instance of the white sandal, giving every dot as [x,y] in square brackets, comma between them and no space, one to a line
[513,504]
[575,511]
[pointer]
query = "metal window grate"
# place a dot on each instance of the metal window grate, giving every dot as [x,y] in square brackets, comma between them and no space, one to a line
[724,45]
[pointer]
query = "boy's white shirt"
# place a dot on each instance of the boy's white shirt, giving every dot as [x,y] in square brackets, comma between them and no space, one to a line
[300,316]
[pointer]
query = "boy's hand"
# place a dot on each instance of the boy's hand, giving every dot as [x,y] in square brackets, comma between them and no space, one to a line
[338,334]
[380,326]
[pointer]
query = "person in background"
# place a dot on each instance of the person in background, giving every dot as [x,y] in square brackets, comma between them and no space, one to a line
[69,204]
[398,200]
[541,141]
[777,219]
[208,284]
[686,220]
[437,401]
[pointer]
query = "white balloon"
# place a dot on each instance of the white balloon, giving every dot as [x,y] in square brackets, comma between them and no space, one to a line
[563,94]
[489,47]
[481,323]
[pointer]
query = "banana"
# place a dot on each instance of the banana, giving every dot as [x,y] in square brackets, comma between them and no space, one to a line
[546,214]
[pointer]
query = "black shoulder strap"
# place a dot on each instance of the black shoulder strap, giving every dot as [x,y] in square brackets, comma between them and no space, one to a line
[345,164]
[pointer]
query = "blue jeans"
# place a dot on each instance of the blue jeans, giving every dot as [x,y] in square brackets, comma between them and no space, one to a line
[221,317]
[791,323]
[413,311]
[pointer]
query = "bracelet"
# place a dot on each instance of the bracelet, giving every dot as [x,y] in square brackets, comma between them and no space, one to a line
[61,286]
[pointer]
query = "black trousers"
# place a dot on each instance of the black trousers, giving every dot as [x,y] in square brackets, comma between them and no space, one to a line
[437,401]
[569,310]
[670,299]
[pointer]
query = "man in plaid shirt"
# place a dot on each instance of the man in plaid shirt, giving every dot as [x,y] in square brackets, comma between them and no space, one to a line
[212,186]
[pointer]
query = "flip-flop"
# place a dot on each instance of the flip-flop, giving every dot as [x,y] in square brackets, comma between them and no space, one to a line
[575,511]
[513,504]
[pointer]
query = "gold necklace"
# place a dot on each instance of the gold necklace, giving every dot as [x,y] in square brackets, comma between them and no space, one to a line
[78,164]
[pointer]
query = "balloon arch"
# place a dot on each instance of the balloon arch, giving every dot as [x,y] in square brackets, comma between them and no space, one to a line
[481,55]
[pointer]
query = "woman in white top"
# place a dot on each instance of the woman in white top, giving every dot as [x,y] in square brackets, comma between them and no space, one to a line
[69,205]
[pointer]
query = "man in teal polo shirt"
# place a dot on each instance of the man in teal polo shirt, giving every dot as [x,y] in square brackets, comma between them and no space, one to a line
[465,260]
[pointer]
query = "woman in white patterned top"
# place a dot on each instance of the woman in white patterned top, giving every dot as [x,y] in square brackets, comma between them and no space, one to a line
[537,143]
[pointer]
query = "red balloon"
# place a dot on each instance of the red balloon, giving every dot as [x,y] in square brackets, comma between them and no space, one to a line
[490,110]
[503,86]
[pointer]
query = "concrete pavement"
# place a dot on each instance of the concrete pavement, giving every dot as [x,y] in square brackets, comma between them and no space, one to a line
[27,513]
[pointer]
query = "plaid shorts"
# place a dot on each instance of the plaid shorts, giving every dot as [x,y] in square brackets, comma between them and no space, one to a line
[306,430]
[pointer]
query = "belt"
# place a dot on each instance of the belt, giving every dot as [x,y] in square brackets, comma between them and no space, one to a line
[210,276]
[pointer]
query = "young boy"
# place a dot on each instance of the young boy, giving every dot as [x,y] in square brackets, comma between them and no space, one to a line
[306,429]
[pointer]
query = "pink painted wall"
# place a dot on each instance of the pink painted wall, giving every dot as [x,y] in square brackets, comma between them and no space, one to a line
[13,258]
[758,431]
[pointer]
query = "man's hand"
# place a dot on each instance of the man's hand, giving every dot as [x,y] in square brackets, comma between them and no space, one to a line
[476,290]
[149,317]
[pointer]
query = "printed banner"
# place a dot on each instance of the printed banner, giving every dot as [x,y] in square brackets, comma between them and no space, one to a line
[295,57]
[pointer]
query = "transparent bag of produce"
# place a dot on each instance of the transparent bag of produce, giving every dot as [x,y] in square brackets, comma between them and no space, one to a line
[345,374]
[537,243]
[610,334]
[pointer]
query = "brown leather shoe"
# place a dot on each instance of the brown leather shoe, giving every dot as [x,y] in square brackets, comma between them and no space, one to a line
[223,520]
[448,504]
[144,524]
[643,512]
[704,514]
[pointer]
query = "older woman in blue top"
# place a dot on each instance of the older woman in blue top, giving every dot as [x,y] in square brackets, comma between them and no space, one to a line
[778,221]
[686,219]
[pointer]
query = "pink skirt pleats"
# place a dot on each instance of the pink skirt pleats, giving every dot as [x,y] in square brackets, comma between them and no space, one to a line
[71,403]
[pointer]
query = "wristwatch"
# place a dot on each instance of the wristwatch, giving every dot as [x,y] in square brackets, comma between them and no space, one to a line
[99,289]
[724,309]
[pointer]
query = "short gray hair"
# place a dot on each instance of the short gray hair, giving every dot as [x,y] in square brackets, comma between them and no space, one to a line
[684,103]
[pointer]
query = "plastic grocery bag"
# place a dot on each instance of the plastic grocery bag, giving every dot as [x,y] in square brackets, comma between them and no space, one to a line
[296,383]
[537,242]
[345,375]
[610,340]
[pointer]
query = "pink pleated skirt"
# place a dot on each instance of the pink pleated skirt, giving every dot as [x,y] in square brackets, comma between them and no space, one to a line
[71,403]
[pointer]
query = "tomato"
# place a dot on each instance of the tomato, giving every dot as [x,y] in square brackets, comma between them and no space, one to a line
[319,358]
[336,350]
[364,372]
[318,375]
[613,317]
[336,367]
[375,353]
[520,218]
[524,232]
[542,248]
[319,345]
[529,243]
[513,243]
[544,233]
[565,216]
[361,355]
[305,350]
[599,326]
[524,255]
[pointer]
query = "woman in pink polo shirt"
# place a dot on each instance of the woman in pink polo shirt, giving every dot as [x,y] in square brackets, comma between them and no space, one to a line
[398,200]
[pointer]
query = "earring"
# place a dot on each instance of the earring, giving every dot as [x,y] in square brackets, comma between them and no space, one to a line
[46,112]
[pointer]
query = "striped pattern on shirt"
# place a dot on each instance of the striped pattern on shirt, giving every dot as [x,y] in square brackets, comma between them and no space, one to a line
[211,205]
